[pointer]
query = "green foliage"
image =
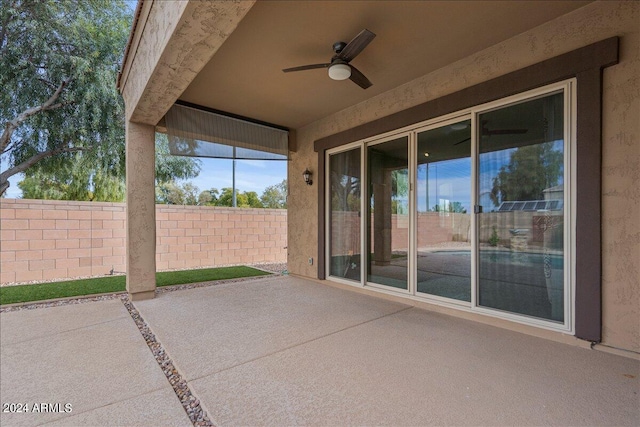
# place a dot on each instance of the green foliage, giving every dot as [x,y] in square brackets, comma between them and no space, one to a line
[494,239]
[82,179]
[170,167]
[400,191]
[345,192]
[452,207]
[275,196]
[252,200]
[71,288]
[171,193]
[205,198]
[531,170]
[58,63]
[76,179]
[243,200]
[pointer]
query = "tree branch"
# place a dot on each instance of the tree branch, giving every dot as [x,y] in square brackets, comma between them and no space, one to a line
[12,125]
[4,176]
[8,148]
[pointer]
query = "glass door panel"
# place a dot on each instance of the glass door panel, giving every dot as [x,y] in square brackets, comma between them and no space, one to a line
[443,202]
[521,191]
[344,215]
[388,218]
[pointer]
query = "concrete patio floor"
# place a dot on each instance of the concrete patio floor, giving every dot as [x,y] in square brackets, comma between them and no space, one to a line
[89,355]
[288,351]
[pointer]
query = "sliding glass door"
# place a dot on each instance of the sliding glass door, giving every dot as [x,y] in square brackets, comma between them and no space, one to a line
[388,217]
[344,215]
[443,203]
[468,210]
[521,191]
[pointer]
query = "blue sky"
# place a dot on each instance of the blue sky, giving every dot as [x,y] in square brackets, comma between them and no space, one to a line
[251,175]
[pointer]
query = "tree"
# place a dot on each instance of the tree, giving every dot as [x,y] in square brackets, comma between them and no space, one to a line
[345,192]
[209,197]
[252,200]
[76,179]
[81,179]
[275,196]
[400,191]
[226,197]
[451,207]
[191,193]
[247,199]
[531,170]
[58,64]
[171,193]
[205,198]
[170,167]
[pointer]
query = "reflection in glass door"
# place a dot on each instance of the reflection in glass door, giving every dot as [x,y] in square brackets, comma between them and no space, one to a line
[443,202]
[472,210]
[521,191]
[344,215]
[388,218]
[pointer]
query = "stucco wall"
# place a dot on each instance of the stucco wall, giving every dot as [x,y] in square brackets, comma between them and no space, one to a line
[621,147]
[179,39]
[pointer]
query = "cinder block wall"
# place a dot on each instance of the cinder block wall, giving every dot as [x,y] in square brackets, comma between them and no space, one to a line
[200,236]
[47,239]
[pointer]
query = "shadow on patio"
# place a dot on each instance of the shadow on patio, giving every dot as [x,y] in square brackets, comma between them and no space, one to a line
[287,351]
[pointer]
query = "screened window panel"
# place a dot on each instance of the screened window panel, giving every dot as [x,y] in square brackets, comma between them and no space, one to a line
[196,133]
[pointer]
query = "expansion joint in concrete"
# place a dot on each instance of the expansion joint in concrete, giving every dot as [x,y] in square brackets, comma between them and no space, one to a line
[190,403]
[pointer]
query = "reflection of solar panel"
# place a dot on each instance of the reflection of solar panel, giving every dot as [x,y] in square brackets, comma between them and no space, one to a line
[532,205]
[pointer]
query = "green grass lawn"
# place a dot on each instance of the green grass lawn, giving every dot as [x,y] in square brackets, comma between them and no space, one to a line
[73,288]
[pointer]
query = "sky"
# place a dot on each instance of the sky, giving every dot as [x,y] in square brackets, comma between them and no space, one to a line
[251,175]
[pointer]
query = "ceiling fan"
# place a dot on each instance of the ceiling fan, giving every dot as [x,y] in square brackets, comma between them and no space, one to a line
[340,67]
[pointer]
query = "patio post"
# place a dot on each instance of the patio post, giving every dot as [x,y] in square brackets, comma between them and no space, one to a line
[382,218]
[141,211]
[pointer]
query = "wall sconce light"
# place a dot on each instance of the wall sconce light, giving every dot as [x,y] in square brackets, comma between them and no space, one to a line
[307,176]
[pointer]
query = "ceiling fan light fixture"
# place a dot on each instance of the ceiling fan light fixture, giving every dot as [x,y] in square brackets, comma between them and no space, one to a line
[339,71]
[460,126]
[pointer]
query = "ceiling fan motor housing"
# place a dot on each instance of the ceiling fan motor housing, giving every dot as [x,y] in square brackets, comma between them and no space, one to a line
[338,46]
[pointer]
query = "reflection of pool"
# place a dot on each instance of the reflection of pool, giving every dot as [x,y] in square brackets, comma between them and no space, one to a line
[527,283]
[556,260]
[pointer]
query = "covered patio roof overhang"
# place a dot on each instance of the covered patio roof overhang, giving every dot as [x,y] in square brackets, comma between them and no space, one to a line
[229,56]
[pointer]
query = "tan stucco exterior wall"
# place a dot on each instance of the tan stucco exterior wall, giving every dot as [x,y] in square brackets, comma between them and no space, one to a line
[621,145]
[177,41]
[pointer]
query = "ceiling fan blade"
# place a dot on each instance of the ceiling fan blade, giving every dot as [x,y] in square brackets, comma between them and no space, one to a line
[358,78]
[355,46]
[505,131]
[306,67]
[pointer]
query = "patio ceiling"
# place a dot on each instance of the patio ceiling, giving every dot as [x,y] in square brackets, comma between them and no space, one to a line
[413,38]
